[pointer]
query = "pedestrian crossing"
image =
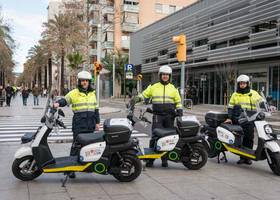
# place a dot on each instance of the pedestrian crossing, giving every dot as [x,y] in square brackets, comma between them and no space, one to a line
[14,127]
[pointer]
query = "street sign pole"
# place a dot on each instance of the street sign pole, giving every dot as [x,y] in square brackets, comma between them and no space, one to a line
[182,87]
[114,68]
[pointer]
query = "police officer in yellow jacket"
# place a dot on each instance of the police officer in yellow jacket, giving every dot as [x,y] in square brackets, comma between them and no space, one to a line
[166,103]
[86,117]
[247,99]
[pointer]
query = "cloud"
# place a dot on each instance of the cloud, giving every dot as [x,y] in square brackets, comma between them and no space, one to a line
[27,28]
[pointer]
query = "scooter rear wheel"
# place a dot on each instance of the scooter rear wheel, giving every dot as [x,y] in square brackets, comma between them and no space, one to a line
[275,162]
[130,163]
[196,158]
[20,169]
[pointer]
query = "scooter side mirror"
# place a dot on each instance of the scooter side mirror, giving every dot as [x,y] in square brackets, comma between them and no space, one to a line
[61,113]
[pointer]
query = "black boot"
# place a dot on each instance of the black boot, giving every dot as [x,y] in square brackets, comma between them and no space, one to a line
[150,163]
[244,161]
[72,175]
[164,162]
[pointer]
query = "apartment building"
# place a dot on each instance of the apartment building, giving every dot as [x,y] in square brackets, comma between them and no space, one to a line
[120,18]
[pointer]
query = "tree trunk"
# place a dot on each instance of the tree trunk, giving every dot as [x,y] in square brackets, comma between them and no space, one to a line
[50,73]
[40,78]
[45,76]
[62,73]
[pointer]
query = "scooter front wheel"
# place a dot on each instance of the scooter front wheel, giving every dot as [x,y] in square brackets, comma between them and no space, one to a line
[275,162]
[196,158]
[25,168]
[130,168]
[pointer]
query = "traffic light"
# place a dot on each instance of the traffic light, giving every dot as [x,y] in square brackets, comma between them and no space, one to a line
[139,77]
[180,40]
[97,67]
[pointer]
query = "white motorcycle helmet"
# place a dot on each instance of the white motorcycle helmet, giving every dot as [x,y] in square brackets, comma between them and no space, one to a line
[243,78]
[84,75]
[165,69]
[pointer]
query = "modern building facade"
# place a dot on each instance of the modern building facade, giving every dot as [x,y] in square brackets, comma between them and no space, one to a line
[224,38]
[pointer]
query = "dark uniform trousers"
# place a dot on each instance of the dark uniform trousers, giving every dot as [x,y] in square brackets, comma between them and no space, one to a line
[161,121]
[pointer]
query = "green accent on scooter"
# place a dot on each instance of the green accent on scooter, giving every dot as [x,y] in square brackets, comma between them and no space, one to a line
[218,145]
[173,155]
[99,168]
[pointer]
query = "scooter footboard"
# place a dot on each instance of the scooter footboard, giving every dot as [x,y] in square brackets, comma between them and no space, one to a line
[23,151]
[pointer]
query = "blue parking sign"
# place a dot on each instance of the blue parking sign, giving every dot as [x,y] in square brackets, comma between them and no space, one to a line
[129,67]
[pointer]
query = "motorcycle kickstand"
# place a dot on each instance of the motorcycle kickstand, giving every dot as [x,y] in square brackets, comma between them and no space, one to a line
[223,158]
[63,181]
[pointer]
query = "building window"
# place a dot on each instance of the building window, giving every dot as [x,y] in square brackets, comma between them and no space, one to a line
[163,52]
[147,60]
[158,8]
[201,42]
[154,59]
[172,55]
[172,9]
[131,18]
[218,45]
[264,26]
[264,46]
[237,41]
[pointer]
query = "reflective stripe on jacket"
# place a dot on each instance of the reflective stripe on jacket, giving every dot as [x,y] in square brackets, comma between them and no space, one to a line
[165,98]
[246,101]
[85,108]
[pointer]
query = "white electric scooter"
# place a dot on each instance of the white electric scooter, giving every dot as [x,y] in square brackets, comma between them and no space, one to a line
[223,137]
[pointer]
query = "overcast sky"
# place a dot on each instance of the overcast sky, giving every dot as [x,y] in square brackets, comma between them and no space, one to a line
[26,18]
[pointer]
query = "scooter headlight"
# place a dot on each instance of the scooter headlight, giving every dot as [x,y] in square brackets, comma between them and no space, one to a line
[268,129]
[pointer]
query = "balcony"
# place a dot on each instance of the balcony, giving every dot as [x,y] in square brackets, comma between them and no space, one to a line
[129,27]
[93,52]
[130,8]
[108,10]
[93,38]
[108,45]
[125,44]
[108,27]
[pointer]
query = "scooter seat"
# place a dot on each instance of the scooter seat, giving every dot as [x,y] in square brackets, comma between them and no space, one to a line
[89,138]
[162,132]
[233,128]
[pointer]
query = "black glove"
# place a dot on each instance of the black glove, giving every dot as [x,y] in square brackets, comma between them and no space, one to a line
[179,112]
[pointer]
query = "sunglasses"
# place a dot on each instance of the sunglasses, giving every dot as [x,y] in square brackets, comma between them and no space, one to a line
[84,80]
[242,83]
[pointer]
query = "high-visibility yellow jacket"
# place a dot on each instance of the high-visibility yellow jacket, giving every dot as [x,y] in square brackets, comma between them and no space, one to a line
[165,98]
[247,101]
[85,108]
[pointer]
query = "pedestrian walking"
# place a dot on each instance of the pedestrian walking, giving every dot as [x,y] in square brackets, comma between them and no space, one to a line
[45,92]
[36,93]
[2,95]
[9,93]
[25,94]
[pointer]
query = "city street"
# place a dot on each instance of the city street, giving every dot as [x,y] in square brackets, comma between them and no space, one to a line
[214,181]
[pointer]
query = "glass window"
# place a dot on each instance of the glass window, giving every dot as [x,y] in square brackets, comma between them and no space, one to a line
[264,26]
[172,9]
[201,42]
[131,17]
[158,8]
[237,41]
[218,45]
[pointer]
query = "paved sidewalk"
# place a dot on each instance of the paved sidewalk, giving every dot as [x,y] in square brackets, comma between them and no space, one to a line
[213,182]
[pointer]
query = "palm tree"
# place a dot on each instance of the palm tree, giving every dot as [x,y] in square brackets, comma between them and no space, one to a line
[64,33]
[75,61]
[6,52]
[120,61]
